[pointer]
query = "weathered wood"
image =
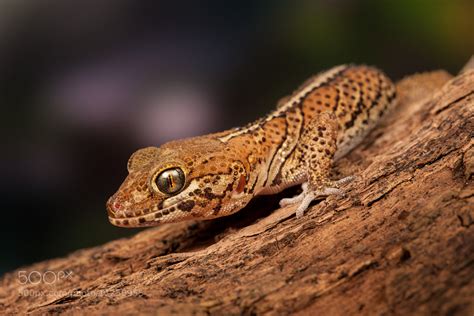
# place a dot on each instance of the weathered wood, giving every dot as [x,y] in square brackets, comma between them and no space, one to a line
[400,242]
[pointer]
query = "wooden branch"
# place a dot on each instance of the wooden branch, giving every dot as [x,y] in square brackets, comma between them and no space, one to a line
[400,242]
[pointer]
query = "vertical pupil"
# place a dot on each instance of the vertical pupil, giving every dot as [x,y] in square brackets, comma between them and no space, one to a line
[170,181]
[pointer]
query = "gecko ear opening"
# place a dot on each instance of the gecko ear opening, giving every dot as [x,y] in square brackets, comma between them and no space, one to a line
[141,157]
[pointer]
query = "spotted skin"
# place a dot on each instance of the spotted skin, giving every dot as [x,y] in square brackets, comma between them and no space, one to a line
[295,144]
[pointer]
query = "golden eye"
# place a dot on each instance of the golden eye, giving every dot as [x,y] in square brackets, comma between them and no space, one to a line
[170,181]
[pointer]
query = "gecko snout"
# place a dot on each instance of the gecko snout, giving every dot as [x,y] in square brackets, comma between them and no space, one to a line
[114,207]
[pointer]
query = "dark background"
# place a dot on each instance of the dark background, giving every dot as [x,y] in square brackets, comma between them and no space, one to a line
[85,83]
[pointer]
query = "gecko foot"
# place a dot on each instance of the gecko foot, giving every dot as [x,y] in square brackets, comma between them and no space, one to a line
[307,196]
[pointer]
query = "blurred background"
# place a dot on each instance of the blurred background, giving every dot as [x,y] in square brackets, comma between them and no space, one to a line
[85,83]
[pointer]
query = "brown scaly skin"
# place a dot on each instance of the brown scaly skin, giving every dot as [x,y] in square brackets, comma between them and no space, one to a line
[296,144]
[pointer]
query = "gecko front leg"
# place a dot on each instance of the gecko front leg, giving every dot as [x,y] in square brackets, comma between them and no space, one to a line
[317,147]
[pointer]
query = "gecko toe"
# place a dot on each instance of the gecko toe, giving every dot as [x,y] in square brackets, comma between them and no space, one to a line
[291,201]
[345,180]
[306,201]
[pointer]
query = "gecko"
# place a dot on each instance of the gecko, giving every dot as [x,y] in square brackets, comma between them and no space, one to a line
[215,175]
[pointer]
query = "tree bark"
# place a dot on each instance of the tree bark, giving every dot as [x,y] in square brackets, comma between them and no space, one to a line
[401,241]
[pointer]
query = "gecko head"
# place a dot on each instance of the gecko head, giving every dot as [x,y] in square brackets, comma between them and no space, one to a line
[181,180]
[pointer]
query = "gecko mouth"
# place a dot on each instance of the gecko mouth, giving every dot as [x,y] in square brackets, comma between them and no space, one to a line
[127,218]
[150,219]
[133,222]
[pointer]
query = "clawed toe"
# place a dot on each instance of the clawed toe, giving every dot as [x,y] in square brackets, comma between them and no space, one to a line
[306,201]
[344,180]
[290,201]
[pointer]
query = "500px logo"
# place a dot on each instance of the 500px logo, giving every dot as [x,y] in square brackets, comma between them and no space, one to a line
[47,277]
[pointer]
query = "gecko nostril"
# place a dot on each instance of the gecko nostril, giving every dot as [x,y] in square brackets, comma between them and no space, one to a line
[111,207]
[110,211]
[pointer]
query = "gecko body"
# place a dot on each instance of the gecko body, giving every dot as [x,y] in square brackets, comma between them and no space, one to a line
[218,174]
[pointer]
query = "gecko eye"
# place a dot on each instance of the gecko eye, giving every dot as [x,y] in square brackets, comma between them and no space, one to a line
[170,181]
